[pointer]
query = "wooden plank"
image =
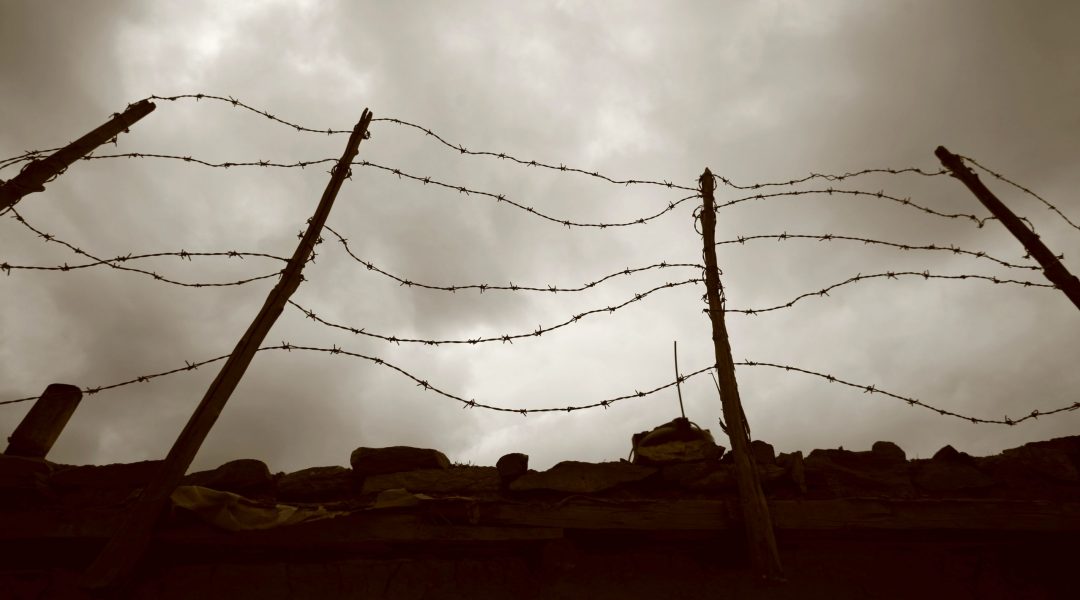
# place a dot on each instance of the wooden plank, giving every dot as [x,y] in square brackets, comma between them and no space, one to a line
[647,515]
[510,521]
[41,426]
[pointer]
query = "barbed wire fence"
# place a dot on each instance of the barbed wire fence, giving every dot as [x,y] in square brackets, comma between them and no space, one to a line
[27,158]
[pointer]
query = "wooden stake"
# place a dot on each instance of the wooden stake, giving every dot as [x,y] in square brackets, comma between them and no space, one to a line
[678,378]
[760,538]
[126,547]
[38,172]
[37,432]
[1052,267]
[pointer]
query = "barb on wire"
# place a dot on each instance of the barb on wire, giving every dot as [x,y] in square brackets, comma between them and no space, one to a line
[887,275]
[879,194]
[830,177]
[466,403]
[483,287]
[1021,188]
[828,237]
[873,389]
[505,338]
[113,263]
[502,198]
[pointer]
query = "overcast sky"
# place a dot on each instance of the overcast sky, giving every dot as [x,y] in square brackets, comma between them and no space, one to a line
[758,92]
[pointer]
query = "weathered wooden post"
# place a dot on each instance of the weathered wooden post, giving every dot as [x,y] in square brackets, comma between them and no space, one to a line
[37,173]
[37,432]
[764,555]
[128,543]
[1052,267]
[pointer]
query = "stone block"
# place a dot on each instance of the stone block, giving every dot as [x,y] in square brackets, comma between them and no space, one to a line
[395,459]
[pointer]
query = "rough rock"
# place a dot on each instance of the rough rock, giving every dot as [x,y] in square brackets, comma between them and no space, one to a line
[317,484]
[949,476]
[100,477]
[394,459]
[582,478]
[844,474]
[1057,459]
[455,480]
[244,476]
[23,481]
[676,441]
[724,478]
[17,470]
[763,452]
[888,451]
[950,454]
[687,474]
[512,466]
[795,467]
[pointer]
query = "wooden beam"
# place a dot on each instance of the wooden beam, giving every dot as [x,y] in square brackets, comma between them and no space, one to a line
[40,428]
[514,520]
[127,546]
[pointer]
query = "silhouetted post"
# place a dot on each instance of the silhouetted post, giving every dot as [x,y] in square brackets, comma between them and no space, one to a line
[37,432]
[755,511]
[37,173]
[128,543]
[1052,267]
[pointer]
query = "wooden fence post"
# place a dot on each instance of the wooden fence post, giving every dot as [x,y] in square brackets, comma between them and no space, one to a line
[128,543]
[37,173]
[37,432]
[1052,267]
[764,555]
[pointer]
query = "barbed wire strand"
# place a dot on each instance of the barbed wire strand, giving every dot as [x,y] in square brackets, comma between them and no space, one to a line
[467,403]
[216,165]
[872,389]
[461,149]
[505,338]
[425,180]
[471,403]
[561,167]
[26,156]
[828,237]
[483,287]
[1021,188]
[906,201]
[979,222]
[182,254]
[112,263]
[886,275]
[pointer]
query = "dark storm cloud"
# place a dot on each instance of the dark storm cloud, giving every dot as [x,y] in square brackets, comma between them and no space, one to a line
[758,92]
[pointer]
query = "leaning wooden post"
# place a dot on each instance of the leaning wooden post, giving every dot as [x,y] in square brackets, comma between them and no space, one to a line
[37,173]
[128,543]
[1052,267]
[37,432]
[755,511]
